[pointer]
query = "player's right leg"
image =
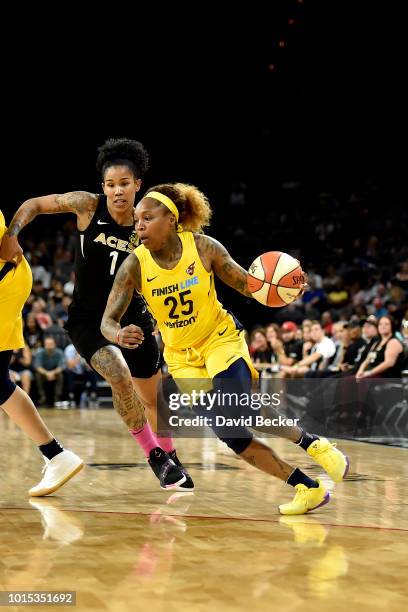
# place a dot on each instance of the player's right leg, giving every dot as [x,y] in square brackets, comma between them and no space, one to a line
[310,494]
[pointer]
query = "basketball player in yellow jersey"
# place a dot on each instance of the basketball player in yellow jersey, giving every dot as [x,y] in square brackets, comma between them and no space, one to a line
[15,287]
[174,270]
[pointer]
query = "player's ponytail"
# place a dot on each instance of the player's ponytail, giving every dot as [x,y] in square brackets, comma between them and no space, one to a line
[193,206]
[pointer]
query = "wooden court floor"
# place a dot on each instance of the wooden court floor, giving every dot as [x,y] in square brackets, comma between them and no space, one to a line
[122,544]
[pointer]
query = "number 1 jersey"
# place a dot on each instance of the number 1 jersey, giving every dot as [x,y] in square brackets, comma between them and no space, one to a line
[100,249]
[182,300]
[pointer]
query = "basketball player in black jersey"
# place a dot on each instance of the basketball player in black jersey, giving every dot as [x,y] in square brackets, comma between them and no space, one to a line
[105,236]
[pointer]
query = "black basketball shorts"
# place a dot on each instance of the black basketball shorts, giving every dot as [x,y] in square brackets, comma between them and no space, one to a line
[143,361]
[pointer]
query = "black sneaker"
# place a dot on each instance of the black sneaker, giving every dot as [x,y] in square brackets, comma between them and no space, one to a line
[189,484]
[170,476]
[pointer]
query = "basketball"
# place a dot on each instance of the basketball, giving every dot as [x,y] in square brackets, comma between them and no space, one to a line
[275,279]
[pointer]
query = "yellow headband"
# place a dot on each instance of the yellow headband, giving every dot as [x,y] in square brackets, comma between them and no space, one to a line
[164,200]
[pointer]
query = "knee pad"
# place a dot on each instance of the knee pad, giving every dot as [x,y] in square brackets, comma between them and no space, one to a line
[238,445]
[7,387]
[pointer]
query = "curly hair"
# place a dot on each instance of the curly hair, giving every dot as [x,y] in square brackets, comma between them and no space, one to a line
[193,206]
[123,152]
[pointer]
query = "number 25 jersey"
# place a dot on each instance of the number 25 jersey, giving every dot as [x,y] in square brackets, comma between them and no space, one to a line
[182,300]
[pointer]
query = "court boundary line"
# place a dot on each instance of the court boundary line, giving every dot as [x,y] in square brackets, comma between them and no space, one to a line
[217,518]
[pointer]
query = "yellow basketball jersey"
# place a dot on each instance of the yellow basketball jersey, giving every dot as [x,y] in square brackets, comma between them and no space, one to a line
[182,300]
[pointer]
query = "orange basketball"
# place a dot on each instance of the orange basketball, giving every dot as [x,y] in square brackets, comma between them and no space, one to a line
[275,279]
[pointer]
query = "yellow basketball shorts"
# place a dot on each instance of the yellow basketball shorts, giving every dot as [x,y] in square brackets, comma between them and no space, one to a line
[14,291]
[195,367]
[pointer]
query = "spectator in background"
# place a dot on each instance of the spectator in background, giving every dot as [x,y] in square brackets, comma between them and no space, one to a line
[33,333]
[291,351]
[49,367]
[369,335]
[79,376]
[355,346]
[59,333]
[20,368]
[56,293]
[306,338]
[39,271]
[60,312]
[43,318]
[261,351]
[322,352]
[327,322]
[379,309]
[386,355]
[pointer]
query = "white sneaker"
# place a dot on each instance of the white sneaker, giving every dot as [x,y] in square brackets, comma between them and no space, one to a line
[57,472]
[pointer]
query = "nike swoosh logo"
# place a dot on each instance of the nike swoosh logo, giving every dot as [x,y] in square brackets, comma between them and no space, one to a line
[223,332]
[102,222]
[149,280]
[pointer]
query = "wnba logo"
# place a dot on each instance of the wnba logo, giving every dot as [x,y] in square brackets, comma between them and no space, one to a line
[190,269]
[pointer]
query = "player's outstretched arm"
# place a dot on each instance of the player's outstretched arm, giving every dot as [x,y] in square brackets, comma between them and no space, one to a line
[81,203]
[127,280]
[232,274]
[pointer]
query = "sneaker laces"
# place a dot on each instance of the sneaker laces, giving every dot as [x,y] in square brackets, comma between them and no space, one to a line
[321,451]
[301,493]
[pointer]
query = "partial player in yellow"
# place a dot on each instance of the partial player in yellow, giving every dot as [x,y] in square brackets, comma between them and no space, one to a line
[174,270]
[15,287]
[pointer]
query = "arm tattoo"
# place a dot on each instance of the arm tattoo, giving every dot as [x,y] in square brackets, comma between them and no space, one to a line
[78,202]
[24,215]
[231,273]
[126,281]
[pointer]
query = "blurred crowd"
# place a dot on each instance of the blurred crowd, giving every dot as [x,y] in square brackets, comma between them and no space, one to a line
[370,347]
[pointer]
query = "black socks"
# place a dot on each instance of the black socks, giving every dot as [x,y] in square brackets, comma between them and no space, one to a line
[298,477]
[306,439]
[51,449]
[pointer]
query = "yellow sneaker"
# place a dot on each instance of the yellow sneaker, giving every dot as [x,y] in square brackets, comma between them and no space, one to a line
[330,458]
[306,499]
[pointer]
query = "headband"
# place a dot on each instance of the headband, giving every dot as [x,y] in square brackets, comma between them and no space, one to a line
[164,200]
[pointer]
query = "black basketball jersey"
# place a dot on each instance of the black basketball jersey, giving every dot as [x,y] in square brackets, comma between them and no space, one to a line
[99,252]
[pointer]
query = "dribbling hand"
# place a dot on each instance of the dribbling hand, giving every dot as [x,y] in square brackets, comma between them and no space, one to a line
[130,336]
